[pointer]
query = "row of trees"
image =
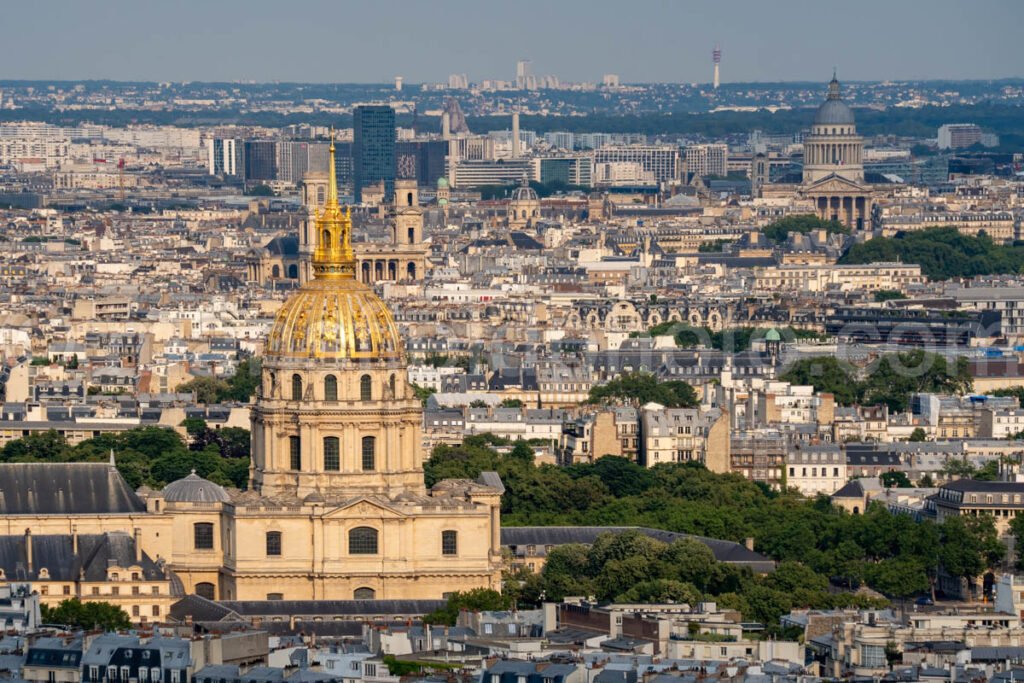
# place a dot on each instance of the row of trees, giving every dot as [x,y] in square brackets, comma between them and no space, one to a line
[942,253]
[638,388]
[891,553]
[149,455]
[779,230]
[890,381]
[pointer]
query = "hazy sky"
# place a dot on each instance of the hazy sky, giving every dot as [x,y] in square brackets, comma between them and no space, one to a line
[425,40]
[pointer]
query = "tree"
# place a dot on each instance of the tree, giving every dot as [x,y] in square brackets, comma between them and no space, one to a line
[826,374]
[423,393]
[260,190]
[662,590]
[194,426]
[942,253]
[483,599]
[86,615]
[207,389]
[969,545]
[889,295]
[898,577]
[639,388]
[918,435]
[512,403]
[896,480]
[802,223]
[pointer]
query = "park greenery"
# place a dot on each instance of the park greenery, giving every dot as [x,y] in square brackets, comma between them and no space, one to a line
[481,599]
[639,388]
[889,381]
[86,615]
[153,456]
[779,230]
[240,387]
[728,339]
[942,253]
[815,541]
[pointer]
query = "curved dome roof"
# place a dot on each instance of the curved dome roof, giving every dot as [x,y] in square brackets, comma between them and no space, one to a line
[194,489]
[524,194]
[834,112]
[333,316]
[334,319]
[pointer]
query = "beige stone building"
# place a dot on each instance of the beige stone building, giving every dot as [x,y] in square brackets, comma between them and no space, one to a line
[336,506]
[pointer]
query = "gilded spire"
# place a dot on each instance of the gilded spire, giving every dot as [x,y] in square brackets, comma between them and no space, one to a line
[333,257]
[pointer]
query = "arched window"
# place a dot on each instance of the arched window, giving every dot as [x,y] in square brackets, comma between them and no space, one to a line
[273,385]
[293,272]
[365,388]
[296,388]
[450,542]
[275,272]
[408,199]
[325,239]
[202,533]
[362,541]
[391,385]
[274,543]
[295,452]
[369,453]
[412,235]
[206,590]
[332,454]
[330,388]
[364,594]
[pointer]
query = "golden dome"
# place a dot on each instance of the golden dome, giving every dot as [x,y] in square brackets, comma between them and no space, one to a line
[334,316]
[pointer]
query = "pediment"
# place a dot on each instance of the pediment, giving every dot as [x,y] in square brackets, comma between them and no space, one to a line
[365,508]
[835,183]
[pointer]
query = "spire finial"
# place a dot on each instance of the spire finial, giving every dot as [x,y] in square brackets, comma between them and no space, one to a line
[333,257]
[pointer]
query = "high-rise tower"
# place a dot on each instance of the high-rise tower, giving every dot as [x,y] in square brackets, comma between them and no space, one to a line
[373,149]
[716,57]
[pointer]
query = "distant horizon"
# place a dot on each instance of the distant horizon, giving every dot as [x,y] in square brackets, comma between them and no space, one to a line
[409,84]
[648,41]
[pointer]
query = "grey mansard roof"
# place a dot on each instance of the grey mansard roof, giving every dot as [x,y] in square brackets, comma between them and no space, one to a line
[51,488]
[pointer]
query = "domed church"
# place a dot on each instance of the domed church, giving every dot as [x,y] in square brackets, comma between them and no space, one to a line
[336,507]
[833,176]
[833,179]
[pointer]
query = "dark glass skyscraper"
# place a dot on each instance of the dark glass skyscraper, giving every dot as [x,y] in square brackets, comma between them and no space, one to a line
[373,149]
[260,160]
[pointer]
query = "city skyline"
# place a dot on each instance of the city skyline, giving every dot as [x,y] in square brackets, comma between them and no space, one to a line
[660,42]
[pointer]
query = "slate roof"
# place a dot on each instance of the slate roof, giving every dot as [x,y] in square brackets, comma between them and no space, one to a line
[55,553]
[79,488]
[201,609]
[724,551]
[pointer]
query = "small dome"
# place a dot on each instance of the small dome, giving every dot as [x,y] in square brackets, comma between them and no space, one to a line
[773,335]
[194,489]
[442,182]
[524,194]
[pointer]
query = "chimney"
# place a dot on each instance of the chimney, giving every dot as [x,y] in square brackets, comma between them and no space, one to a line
[138,545]
[74,539]
[749,543]
[28,549]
